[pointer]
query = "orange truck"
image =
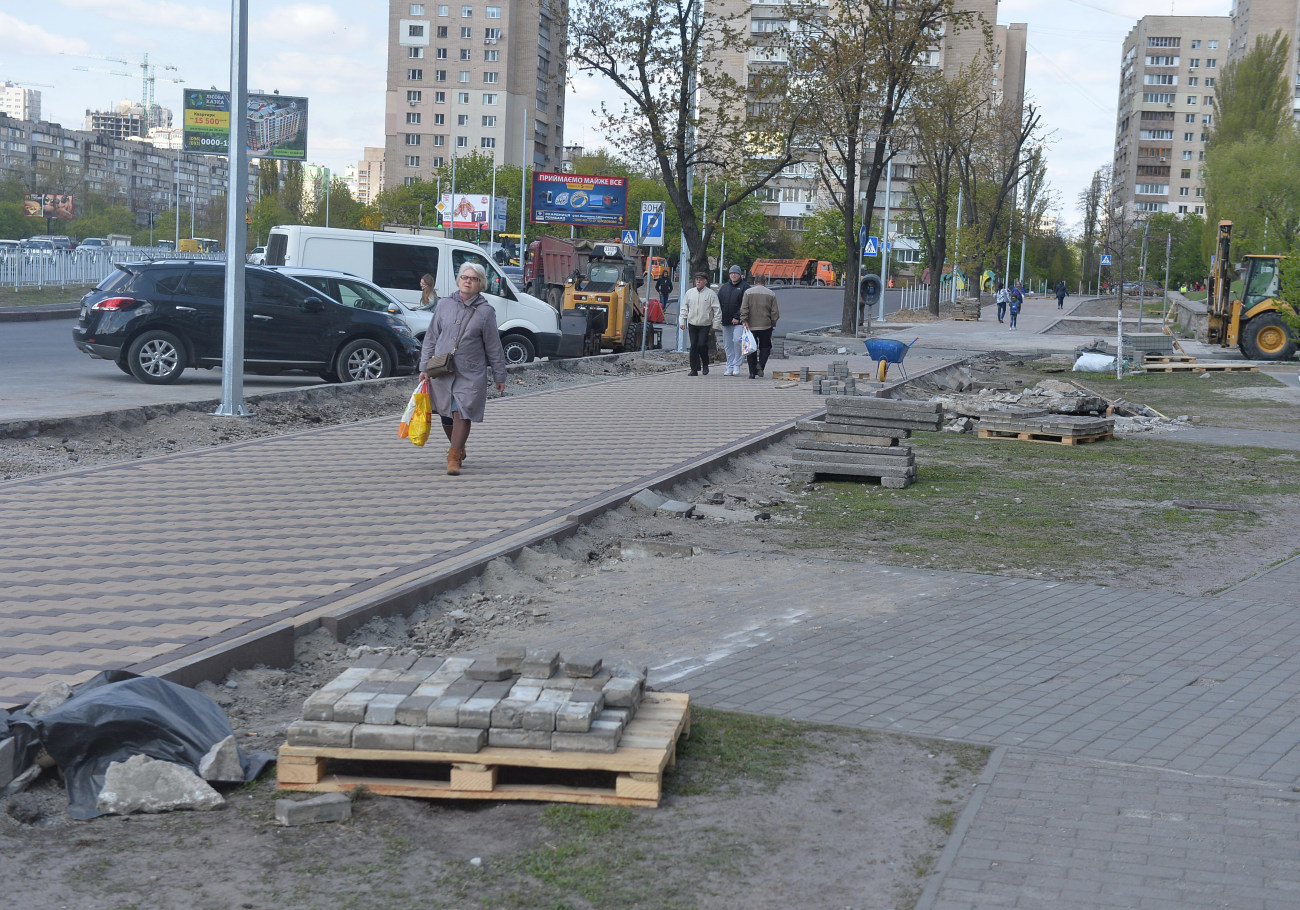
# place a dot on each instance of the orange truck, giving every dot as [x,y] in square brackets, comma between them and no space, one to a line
[795,271]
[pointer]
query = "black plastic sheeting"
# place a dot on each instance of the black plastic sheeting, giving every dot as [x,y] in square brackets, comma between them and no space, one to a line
[114,716]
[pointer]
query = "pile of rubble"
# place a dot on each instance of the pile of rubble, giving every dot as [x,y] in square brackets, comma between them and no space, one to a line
[967,308]
[1050,396]
[511,698]
[860,438]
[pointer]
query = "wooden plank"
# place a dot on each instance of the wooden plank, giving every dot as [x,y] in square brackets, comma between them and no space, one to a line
[473,777]
[638,786]
[433,789]
[300,769]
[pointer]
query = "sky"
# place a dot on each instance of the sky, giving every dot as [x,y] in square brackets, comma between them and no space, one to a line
[333,52]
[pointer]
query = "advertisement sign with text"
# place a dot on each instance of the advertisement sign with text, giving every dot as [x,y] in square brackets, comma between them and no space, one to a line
[578,199]
[277,125]
[49,205]
[469,211]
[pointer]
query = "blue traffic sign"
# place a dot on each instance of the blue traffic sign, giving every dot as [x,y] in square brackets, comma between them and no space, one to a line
[1105,258]
[871,247]
[629,237]
[652,223]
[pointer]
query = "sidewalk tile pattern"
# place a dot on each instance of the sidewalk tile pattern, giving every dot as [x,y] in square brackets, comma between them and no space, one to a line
[123,565]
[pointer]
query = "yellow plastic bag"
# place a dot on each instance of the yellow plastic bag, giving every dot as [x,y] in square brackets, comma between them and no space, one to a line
[418,416]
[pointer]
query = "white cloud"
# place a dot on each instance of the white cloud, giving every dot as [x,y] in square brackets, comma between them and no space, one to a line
[167,14]
[24,40]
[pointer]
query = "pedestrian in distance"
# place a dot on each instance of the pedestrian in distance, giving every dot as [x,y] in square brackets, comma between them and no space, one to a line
[426,290]
[701,316]
[1017,301]
[1061,293]
[759,313]
[1002,297]
[665,287]
[730,296]
[464,324]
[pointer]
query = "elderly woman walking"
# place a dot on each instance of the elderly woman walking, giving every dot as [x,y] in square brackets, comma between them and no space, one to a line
[465,325]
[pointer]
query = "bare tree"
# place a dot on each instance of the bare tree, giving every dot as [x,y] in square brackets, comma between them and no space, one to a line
[1092,200]
[683,108]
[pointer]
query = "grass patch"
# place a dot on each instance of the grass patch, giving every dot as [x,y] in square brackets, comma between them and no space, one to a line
[71,294]
[725,748]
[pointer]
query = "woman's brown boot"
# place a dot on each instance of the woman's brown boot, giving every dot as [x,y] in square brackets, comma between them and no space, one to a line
[454,458]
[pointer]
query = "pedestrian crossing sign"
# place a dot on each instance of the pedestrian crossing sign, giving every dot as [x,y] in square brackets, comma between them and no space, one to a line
[871,247]
[1105,258]
[629,237]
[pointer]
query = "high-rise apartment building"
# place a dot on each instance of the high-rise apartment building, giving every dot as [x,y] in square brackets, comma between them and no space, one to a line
[483,76]
[129,119]
[1166,109]
[18,102]
[1261,18]
[370,175]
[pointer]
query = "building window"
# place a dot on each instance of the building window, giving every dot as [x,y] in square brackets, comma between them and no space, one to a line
[410,181]
[1186,173]
[462,119]
[1211,63]
[1192,81]
[444,11]
[490,78]
[487,142]
[1207,119]
[1159,79]
[492,34]
[462,97]
[442,31]
[1182,210]
[467,12]
[1164,42]
[412,138]
[1187,156]
[439,97]
[462,142]
[415,53]
[465,53]
[1153,189]
[491,56]
[1213,45]
[1194,63]
[1158,97]
[414,96]
[492,12]
[437,160]
[439,119]
[415,75]
[417,9]
[466,32]
[412,160]
[439,75]
[488,99]
[439,140]
[442,53]
[1182,191]
[464,75]
[489,120]
[412,117]
[1189,118]
[1200,210]
[415,31]
[1189,137]
[1191,99]
[1209,82]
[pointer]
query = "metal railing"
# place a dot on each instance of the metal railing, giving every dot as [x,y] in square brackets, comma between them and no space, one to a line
[915,297]
[78,267]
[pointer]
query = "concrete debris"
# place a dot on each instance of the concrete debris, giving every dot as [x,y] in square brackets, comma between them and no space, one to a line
[7,749]
[22,781]
[144,784]
[672,508]
[328,807]
[23,809]
[961,425]
[222,763]
[50,698]
[647,500]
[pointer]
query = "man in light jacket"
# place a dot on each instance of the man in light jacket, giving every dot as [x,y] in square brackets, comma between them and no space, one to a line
[759,313]
[701,315]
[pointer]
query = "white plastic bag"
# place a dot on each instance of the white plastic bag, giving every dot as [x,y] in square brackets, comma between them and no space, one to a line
[1094,363]
[748,343]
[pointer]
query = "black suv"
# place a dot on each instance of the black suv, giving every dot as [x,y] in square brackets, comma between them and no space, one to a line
[154,319]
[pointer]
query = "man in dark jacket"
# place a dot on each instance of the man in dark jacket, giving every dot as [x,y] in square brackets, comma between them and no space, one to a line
[1061,294]
[730,296]
[665,287]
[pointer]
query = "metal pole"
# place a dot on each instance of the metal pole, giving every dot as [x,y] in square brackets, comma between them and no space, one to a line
[492,204]
[327,197]
[722,244]
[452,230]
[645,311]
[232,348]
[884,241]
[683,261]
[1142,272]
[523,191]
[956,256]
[1164,307]
[1006,272]
[176,209]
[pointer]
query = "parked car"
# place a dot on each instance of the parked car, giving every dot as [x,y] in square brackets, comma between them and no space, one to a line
[155,319]
[93,243]
[61,243]
[37,246]
[10,247]
[258,256]
[350,290]
[1143,289]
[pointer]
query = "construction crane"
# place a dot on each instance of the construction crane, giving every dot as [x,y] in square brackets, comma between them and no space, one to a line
[148,77]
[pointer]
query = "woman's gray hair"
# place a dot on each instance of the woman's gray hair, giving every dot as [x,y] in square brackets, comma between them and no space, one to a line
[476,268]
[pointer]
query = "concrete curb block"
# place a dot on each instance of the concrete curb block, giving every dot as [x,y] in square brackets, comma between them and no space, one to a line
[39,313]
[959,830]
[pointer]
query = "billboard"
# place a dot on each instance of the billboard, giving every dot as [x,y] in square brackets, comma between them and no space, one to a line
[470,211]
[578,199]
[49,205]
[277,125]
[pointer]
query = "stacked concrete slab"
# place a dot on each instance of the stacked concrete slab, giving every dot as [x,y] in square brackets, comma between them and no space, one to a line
[839,380]
[512,698]
[1063,428]
[967,308]
[862,438]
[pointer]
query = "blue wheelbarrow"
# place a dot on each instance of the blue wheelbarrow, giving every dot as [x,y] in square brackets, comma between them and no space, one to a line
[886,351]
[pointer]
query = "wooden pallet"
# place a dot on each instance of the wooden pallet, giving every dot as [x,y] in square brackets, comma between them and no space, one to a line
[1167,358]
[1060,439]
[815,374]
[965,319]
[630,776]
[1200,368]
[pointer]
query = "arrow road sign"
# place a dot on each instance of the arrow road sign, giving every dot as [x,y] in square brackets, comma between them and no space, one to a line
[872,247]
[629,237]
[1105,258]
[652,223]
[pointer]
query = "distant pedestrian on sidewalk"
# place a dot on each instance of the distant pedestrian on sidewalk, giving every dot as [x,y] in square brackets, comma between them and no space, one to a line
[1017,301]
[665,287]
[1002,297]
[1061,293]
[729,298]
[759,313]
[464,323]
[701,315]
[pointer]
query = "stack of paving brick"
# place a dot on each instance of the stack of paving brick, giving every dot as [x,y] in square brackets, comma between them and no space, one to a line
[1063,428]
[511,698]
[966,308]
[838,380]
[860,437]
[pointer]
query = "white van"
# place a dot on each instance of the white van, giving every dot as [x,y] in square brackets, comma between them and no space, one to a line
[529,327]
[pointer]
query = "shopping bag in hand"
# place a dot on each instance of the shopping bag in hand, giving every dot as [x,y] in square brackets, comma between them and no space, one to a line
[748,343]
[418,416]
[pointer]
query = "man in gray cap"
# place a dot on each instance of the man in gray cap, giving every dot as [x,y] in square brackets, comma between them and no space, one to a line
[729,298]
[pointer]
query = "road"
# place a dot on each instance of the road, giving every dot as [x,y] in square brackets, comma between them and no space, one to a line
[43,375]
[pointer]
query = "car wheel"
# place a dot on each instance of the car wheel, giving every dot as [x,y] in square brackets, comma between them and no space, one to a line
[156,357]
[820,283]
[364,359]
[518,349]
[1266,338]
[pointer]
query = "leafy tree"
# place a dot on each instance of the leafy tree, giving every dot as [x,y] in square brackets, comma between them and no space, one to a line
[823,238]
[1252,182]
[1252,95]
[1091,199]
[681,109]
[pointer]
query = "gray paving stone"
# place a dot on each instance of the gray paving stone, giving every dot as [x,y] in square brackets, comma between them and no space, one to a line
[414,710]
[539,715]
[383,736]
[574,717]
[317,733]
[509,714]
[383,709]
[351,708]
[540,663]
[582,666]
[519,739]
[328,807]
[445,710]
[449,739]
[477,713]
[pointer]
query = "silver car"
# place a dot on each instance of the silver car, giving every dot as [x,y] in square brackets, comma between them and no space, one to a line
[352,291]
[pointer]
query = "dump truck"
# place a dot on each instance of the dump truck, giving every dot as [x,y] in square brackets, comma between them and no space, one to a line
[795,271]
[552,261]
[1256,323]
[605,289]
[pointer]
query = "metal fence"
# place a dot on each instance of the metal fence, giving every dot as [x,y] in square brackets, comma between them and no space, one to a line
[916,297]
[77,267]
